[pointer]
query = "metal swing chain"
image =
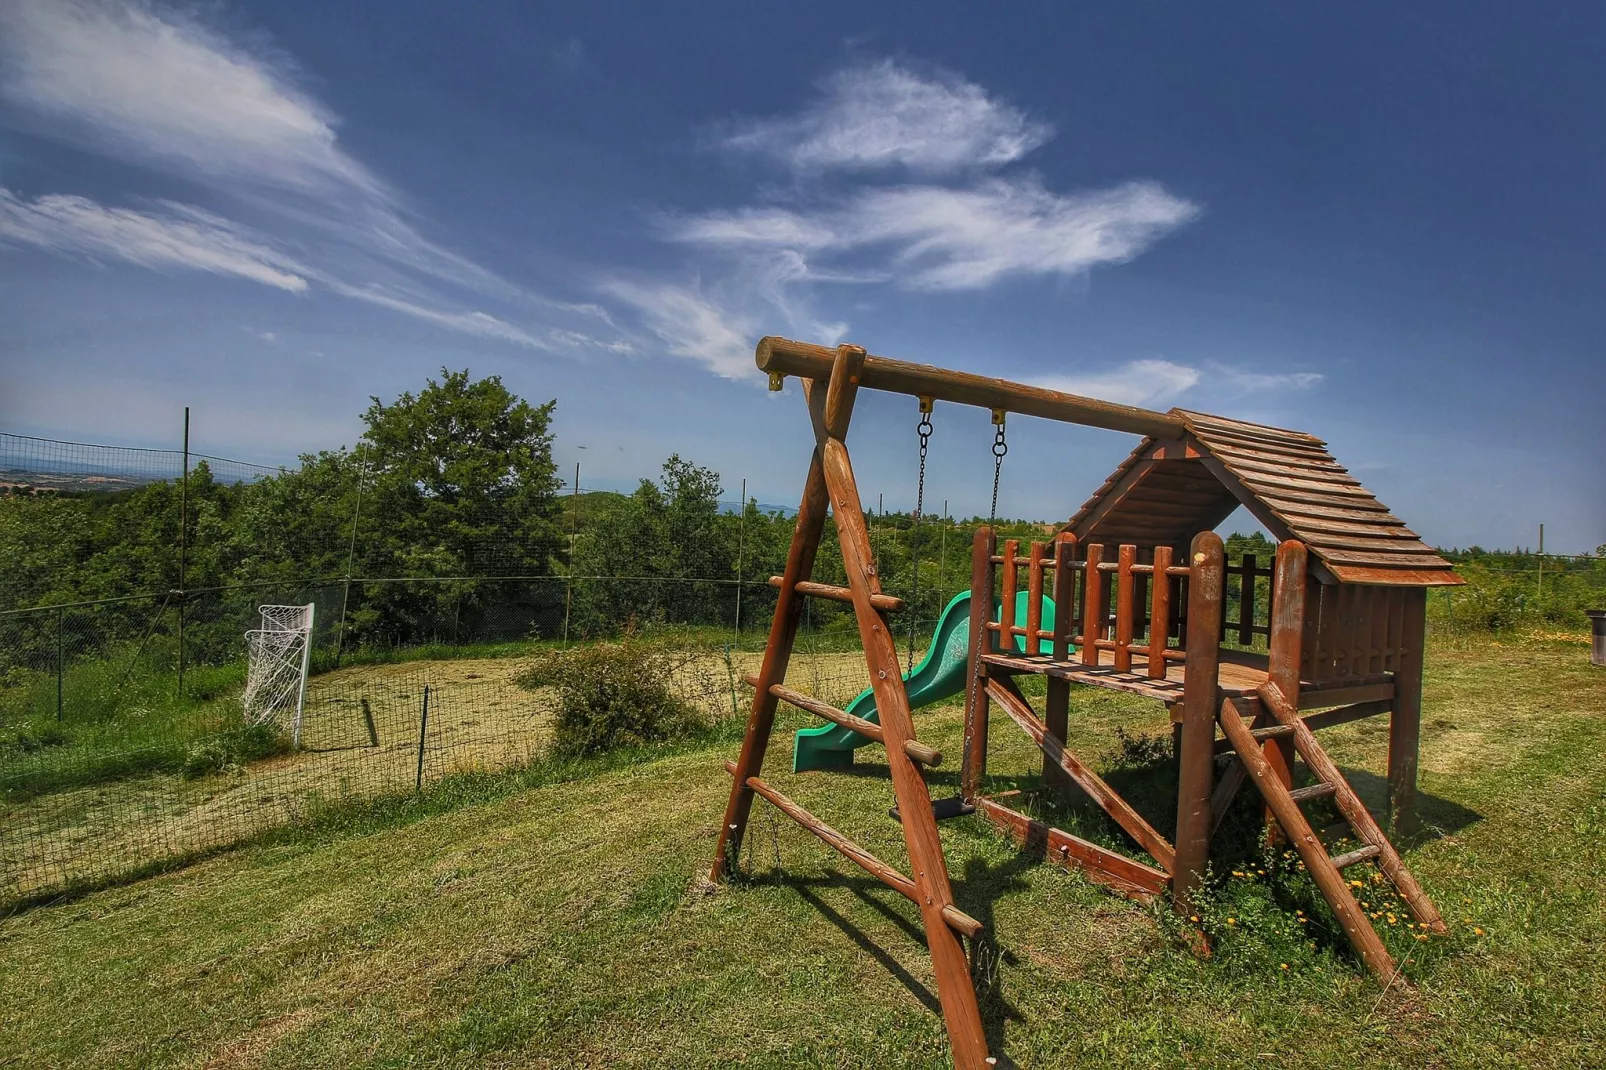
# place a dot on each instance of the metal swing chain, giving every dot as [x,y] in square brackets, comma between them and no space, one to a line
[1000,448]
[923,429]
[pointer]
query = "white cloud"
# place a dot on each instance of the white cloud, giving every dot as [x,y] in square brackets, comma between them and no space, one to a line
[180,237]
[1259,381]
[153,85]
[692,326]
[883,114]
[1139,382]
[160,87]
[940,238]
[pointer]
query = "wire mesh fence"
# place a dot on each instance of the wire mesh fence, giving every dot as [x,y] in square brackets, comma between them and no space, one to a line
[129,591]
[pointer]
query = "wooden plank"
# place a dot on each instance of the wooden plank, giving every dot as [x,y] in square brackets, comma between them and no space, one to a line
[1012,702]
[1194,760]
[1303,511]
[955,991]
[1312,527]
[1400,577]
[1236,448]
[1127,556]
[1278,494]
[1354,811]
[1266,432]
[974,763]
[1355,711]
[952,915]
[1212,441]
[1317,863]
[789,357]
[1336,475]
[885,602]
[1403,558]
[1342,494]
[1116,872]
[777,650]
[1407,544]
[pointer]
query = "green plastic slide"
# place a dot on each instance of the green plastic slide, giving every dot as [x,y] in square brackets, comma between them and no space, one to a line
[940,675]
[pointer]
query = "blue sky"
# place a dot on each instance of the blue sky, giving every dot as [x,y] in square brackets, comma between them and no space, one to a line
[1382,226]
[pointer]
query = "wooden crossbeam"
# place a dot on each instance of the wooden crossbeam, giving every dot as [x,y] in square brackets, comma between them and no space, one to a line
[1116,871]
[886,603]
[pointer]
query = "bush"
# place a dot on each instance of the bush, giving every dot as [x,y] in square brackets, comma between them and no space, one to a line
[613,695]
[247,744]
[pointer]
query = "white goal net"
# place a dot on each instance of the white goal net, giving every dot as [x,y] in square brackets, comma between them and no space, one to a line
[276,656]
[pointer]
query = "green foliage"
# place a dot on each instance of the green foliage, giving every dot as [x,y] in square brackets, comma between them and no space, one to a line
[613,695]
[232,749]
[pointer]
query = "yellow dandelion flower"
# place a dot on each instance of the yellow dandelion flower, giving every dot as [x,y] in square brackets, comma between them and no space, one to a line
[1356,884]
[1477,932]
[1419,936]
[1234,921]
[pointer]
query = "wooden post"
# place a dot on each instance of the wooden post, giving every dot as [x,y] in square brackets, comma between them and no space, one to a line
[955,991]
[1405,722]
[1056,709]
[974,762]
[1160,614]
[1034,597]
[1199,703]
[778,650]
[1010,585]
[1124,597]
[1285,646]
[1092,604]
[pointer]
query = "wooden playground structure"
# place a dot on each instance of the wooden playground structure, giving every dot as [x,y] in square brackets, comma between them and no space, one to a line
[1142,603]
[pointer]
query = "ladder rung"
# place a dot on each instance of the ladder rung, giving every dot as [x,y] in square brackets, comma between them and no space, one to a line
[1360,854]
[886,603]
[1275,731]
[917,751]
[957,919]
[1314,791]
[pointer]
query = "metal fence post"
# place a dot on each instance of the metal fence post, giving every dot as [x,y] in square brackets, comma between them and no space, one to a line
[741,541]
[59,664]
[423,727]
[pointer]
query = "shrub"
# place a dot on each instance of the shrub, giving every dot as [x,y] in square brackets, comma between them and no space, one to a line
[613,695]
[235,748]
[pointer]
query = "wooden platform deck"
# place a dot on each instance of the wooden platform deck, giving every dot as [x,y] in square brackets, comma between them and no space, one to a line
[1236,679]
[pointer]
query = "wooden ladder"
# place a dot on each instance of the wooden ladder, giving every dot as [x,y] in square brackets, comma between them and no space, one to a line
[1284,803]
[831,485]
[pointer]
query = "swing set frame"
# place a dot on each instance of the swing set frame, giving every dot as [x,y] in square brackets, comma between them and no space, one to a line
[1162,592]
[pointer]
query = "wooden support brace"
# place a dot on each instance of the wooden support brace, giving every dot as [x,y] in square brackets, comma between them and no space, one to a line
[1116,871]
[1003,691]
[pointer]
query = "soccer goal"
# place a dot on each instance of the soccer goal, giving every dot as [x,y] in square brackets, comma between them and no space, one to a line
[276,667]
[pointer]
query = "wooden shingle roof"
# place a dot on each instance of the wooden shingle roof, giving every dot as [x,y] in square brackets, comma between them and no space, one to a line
[1168,490]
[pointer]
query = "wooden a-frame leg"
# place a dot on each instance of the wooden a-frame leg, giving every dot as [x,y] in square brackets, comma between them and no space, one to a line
[777,653]
[955,990]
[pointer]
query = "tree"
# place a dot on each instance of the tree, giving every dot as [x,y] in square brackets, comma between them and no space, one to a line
[462,485]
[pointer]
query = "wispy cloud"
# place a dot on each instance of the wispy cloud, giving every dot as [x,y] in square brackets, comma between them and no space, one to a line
[883,114]
[1139,382]
[940,238]
[691,325]
[155,86]
[965,223]
[177,237]
[1271,381]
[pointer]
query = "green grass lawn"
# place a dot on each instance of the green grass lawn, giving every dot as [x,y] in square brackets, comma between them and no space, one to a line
[563,924]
